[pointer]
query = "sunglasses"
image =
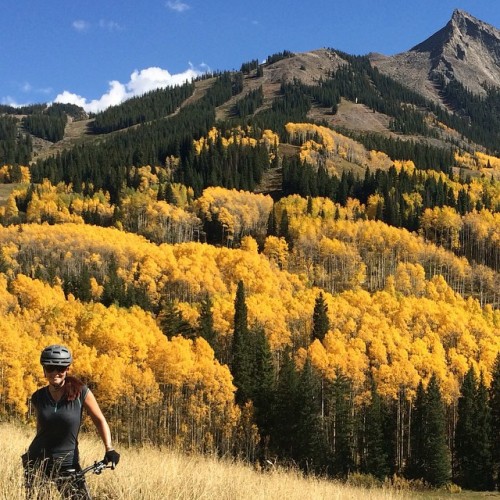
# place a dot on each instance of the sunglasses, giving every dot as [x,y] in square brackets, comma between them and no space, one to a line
[55,368]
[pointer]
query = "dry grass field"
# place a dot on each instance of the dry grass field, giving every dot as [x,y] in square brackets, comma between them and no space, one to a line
[147,473]
[153,474]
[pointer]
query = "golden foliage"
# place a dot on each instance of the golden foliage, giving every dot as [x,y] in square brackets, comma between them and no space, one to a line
[239,212]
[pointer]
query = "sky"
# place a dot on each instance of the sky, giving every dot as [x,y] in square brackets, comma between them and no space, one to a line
[97,53]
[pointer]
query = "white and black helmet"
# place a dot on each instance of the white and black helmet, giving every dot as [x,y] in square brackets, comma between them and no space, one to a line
[56,355]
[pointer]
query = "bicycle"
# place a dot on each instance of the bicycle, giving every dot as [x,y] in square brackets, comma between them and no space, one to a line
[97,468]
[70,483]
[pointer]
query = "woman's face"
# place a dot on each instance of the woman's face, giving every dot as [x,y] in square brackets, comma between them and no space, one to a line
[55,375]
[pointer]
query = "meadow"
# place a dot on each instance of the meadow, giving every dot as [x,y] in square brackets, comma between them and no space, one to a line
[149,473]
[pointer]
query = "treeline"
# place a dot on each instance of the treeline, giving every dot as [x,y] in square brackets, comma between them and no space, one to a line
[153,105]
[292,106]
[396,191]
[107,166]
[15,147]
[249,103]
[476,117]
[473,116]
[424,156]
[278,56]
[248,67]
[358,82]
[76,112]
[236,166]
[48,124]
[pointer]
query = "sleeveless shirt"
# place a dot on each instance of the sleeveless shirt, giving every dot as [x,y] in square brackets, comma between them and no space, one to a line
[59,425]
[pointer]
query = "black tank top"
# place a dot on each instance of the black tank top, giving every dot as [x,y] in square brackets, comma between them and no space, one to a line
[59,421]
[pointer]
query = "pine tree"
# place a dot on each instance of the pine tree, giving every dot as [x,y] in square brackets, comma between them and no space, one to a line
[375,459]
[464,432]
[484,480]
[437,460]
[271,223]
[285,410]
[340,426]
[321,323]
[114,286]
[472,448]
[84,286]
[416,462]
[172,323]
[283,228]
[264,383]
[242,349]
[206,322]
[310,438]
[495,420]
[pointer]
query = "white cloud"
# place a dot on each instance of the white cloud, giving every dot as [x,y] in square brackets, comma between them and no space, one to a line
[140,82]
[110,25]
[27,88]
[104,24]
[10,101]
[177,5]
[80,25]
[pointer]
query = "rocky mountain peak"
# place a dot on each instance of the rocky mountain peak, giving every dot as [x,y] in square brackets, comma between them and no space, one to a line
[466,49]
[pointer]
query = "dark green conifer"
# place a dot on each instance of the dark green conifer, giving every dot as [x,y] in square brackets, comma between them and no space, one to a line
[340,426]
[206,321]
[416,462]
[310,436]
[494,401]
[285,409]
[321,323]
[171,321]
[472,448]
[242,349]
[263,388]
[437,460]
[375,460]
[114,286]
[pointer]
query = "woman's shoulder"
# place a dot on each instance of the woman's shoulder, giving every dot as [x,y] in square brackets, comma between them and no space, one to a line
[38,393]
[85,390]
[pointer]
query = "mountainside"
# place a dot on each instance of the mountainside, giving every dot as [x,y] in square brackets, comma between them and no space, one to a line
[466,50]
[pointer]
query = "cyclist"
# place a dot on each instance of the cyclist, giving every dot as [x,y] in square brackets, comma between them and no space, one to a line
[53,453]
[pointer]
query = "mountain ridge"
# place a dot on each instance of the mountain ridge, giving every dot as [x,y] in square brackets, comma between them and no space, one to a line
[466,49]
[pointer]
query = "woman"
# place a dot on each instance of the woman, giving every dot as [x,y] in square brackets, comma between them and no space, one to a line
[53,453]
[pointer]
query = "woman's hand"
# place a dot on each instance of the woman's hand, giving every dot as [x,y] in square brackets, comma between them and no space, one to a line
[111,456]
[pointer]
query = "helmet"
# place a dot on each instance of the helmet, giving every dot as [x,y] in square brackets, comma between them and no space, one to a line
[56,355]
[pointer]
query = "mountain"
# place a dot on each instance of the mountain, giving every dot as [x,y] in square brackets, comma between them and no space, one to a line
[442,94]
[466,50]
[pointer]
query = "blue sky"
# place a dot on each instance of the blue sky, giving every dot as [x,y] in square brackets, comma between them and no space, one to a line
[99,52]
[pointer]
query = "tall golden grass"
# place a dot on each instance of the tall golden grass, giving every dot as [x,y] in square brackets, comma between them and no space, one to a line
[147,473]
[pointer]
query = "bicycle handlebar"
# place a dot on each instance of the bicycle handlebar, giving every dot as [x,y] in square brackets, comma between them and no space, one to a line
[96,468]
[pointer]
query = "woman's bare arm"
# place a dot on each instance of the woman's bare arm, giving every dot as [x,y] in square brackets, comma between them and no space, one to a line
[99,420]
